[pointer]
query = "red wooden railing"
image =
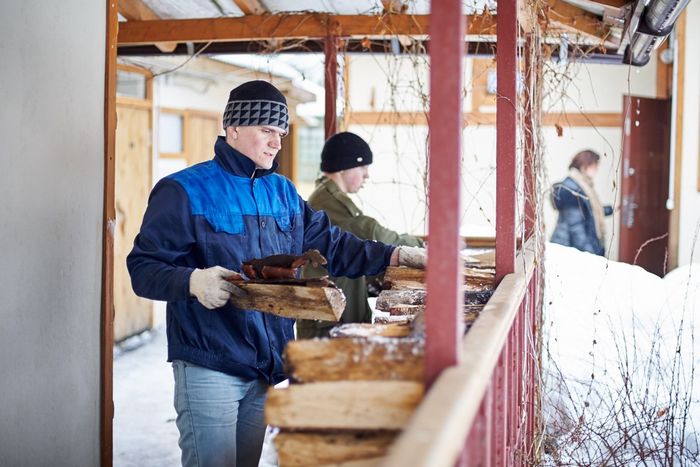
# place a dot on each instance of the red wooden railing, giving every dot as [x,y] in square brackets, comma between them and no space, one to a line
[481,406]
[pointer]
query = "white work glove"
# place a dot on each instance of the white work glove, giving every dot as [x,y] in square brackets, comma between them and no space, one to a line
[412,257]
[211,287]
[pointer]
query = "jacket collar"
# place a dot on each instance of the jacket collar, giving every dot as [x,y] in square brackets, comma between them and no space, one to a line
[235,163]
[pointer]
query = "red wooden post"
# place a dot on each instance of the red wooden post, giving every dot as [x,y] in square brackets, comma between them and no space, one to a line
[444,325]
[506,108]
[331,85]
[529,162]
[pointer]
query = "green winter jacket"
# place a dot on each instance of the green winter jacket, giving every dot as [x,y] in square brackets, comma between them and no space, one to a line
[345,214]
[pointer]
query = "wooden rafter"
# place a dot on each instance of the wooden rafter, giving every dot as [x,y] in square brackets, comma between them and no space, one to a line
[578,21]
[613,3]
[296,26]
[251,7]
[136,10]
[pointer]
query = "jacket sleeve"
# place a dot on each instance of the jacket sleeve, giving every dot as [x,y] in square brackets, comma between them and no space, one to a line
[157,262]
[347,255]
[368,228]
[385,235]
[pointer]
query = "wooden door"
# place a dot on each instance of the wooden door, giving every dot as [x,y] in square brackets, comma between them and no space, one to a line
[645,168]
[133,179]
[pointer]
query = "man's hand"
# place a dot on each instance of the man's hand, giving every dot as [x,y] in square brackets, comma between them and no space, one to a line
[211,287]
[412,257]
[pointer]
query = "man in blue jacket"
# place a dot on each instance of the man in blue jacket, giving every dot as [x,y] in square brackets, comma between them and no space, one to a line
[201,224]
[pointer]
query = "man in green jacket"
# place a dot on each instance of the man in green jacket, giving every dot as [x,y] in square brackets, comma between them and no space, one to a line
[345,160]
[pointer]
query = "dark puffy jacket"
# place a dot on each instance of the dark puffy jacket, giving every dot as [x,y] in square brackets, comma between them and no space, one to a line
[575,225]
[221,213]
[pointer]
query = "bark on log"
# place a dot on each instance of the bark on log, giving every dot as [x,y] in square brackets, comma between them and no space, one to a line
[307,449]
[354,359]
[343,405]
[292,301]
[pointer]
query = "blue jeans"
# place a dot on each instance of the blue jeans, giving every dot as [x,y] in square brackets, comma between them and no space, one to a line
[219,416]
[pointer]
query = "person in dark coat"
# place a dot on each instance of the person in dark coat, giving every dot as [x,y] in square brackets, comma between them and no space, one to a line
[581,222]
[201,224]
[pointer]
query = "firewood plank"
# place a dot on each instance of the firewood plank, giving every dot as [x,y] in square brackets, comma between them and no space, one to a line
[365,330]
[296,449]
[355,359]
[349,405]
[292,301]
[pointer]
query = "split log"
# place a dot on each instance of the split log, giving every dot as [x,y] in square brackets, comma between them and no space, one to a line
[296,449]
[391,298]
[394,319]
[405,301]
[369,330]
[400,277]
[343,405]
[292,301]
[372,359]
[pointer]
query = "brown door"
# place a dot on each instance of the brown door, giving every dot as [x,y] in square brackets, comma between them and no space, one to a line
[645,167]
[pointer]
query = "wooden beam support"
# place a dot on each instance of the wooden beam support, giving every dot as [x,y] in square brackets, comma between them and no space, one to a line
[108,225]
[251,7]
[330,120]
[578,21]
[612,3]
[443,324]
[344,405]
[305,449]
[594,119]
[291,26]
[370,359]
[136,10]
[506,141]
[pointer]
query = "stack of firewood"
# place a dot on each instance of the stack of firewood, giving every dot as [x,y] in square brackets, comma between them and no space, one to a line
[405,297]
[349,397]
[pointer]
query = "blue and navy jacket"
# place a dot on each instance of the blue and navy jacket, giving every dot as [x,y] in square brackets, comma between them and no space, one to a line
[575,224]
[221,213]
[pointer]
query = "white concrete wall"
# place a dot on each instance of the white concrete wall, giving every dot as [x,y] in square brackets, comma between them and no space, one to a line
[688,242]
[394,193]
[51,186]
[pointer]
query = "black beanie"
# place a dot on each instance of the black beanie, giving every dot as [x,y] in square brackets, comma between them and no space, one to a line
[344,151]
[256,103]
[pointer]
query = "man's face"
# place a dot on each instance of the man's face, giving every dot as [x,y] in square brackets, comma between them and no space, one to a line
[354,178]
[259,143]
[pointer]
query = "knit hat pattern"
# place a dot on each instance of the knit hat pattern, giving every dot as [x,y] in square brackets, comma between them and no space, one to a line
[344,151]
[256,103]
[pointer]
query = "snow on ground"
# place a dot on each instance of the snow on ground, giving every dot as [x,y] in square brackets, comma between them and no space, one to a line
[618,362]
[145,434]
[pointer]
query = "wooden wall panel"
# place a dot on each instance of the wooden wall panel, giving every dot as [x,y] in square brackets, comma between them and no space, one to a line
[201,130]
[132,314]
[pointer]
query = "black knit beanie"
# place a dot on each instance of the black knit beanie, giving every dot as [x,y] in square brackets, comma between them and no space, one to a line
[256,103]
[344,151]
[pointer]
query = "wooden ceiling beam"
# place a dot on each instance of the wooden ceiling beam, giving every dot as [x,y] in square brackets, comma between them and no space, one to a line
[295,26]
[612,3]
[577,21]
[251,7]
[136,10]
